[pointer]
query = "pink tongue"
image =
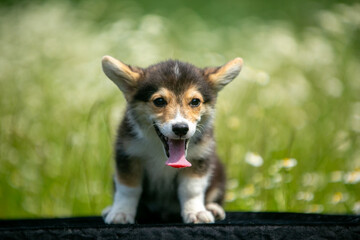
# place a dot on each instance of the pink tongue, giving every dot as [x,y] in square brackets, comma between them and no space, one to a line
[177,154]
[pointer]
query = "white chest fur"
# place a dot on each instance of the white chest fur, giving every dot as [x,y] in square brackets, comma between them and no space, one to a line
[151,152]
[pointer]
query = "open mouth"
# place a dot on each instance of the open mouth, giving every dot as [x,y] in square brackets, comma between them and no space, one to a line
[175,150]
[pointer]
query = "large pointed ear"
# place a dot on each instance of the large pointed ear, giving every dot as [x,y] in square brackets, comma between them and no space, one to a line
[124,76]
[221,76]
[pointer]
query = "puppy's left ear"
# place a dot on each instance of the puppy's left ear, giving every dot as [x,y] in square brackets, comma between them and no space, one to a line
[218,77]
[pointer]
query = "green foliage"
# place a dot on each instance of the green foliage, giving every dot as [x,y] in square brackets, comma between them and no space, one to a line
[287,128]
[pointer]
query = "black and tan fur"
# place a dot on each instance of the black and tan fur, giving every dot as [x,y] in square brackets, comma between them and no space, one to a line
[143,183]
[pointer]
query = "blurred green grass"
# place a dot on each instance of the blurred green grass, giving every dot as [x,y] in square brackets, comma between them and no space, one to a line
[287,128]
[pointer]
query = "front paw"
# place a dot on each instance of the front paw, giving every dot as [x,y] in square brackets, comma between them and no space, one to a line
[216,210]
[198,217]
[117,215]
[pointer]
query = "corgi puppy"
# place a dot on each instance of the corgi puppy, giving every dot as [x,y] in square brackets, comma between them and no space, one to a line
[166,166]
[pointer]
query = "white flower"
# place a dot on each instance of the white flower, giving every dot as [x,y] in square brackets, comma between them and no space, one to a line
[338,197]
[248,191]
[356,208]
[232,184]
[315,208]
[305,196]
[336,176]
[254,159]
[230,197]
[288,163]
[313,179]
[352,177]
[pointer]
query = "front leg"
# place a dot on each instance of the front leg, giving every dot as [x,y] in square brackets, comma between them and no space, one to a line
[127,179]
[125,203]
[191,192]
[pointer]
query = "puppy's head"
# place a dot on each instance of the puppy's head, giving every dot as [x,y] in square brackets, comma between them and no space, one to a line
[176,98]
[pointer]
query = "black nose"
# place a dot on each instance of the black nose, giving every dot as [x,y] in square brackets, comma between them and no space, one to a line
[180,129]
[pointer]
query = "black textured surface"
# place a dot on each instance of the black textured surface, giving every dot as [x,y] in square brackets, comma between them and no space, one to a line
[235,226]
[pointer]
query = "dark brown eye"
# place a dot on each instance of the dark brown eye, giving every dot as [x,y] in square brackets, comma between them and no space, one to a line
[160,102]
[195,102]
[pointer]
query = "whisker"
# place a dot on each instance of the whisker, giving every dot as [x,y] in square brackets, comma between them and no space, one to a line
[200,127]
[199,131]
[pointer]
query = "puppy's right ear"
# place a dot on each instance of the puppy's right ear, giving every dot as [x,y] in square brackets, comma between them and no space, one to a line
[123,75]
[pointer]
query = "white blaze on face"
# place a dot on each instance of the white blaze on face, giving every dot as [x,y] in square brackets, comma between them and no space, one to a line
[176,71]
[177,147]
[166,128]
